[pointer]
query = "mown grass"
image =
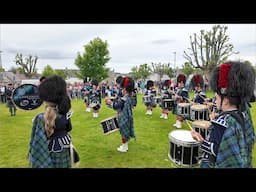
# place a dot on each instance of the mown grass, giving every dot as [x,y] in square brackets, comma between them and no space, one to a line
[96,150]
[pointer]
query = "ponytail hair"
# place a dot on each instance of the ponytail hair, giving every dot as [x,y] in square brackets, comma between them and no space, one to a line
[50,115]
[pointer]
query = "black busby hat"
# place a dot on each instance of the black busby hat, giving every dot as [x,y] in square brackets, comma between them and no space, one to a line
[167,83]
[94,82]
[181,77]
[234,80]
[42,79]
[197,80]
[128,84]
[53,89]
[150,83]
[119,79]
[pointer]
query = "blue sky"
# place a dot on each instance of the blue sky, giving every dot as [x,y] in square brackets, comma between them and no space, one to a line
[129,44]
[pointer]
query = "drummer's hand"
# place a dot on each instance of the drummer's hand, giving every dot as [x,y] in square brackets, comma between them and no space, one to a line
[176,96]
[212,116]
[197,136]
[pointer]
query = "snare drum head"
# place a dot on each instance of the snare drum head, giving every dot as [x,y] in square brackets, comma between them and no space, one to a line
[181,136]
[201,124]
[169,100]
[199,106]
[27,97]
[183,104]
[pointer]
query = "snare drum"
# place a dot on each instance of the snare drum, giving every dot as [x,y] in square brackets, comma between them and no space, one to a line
[168,104]
[201,127]
[109,125]
[184,150]
[183,109]
[146,99]
[210,106]
[199,112]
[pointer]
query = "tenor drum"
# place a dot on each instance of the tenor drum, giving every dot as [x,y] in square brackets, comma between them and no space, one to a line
[201,127]
[183,109]
[109,125]
[95,104]
[199,112]
[183,148]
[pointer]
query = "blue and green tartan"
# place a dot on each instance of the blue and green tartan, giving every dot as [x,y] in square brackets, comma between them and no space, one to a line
[39,155]
[61,159]
[125,119]
[249,133]
[234,151]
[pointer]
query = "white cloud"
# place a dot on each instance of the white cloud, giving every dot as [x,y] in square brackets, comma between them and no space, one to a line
[129,44]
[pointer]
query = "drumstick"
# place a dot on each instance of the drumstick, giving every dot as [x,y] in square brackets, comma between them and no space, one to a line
[189,124]
[197,137]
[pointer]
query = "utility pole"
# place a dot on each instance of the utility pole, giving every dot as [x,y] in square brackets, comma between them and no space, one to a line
[174,62]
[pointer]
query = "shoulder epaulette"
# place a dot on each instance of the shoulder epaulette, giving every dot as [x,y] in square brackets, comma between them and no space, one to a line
[69,114]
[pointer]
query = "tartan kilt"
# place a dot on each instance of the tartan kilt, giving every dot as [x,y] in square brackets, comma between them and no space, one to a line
[61,159]
[9,103]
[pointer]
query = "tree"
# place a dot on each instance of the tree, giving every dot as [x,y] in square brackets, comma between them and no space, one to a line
[2,69]
[135,73]
[62,73]
[187,68]
[28,65]
[92,63]
[162,69]
[144,71]
[16,70]
[48,71]
[209,48]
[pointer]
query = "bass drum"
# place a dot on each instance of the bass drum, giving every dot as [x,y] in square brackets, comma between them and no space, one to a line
[26,97]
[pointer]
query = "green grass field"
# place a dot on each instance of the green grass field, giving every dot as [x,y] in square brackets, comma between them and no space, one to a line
[96,150]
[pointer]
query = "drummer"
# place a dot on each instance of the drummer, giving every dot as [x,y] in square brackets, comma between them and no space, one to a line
[165,94]
[150,93]
[95,97]
[10,103]
[180,96]
[197,85]
[125,113]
